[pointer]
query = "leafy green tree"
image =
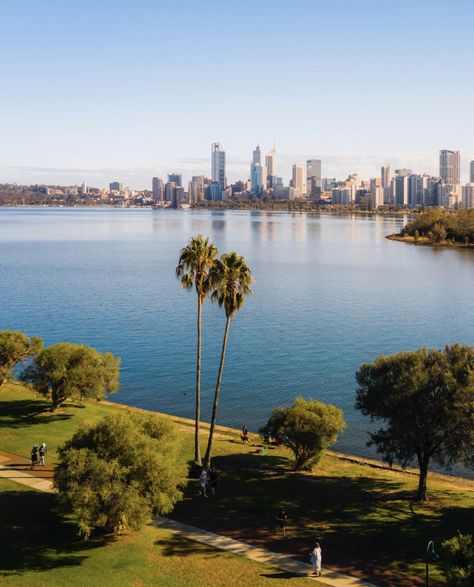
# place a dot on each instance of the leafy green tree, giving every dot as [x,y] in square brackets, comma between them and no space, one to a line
[308,427]
[73,371]
[231,279]
[458,560]
[118,472]
[195,262]
[426,398]
[15,347]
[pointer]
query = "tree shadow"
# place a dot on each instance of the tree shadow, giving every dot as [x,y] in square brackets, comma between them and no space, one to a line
[35,538]
[178,545]
[25,412]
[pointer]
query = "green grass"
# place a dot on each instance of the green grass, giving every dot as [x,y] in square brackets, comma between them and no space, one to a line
[363,515]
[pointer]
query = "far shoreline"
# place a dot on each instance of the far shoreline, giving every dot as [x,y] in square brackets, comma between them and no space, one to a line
[426,242]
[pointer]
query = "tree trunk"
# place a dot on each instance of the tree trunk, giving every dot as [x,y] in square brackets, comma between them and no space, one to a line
[55,399]
[423,463]
[197,450]
[207,458]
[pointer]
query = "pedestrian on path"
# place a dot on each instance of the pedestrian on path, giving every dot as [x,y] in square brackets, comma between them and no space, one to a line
[203,482]
[42,453]
[34,456]
[282,518]
[315,556]
[213,480]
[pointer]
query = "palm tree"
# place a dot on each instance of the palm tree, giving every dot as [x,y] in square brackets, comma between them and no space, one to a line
[195,261]
[231,279]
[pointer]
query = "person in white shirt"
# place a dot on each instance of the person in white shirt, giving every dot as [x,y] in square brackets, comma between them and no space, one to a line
[315,556]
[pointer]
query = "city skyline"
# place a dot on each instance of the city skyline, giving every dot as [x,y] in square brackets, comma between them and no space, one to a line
[89,93]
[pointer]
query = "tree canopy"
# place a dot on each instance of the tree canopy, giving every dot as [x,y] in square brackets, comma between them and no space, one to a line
[426,399]
[73,371]
[308,427]
[118,472]
[14,348]
[438,225]
[458,560]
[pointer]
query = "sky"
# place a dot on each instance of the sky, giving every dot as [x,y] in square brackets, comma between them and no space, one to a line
[106,90]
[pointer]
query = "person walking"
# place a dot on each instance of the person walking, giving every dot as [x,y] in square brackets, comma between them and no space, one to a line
[213,481]
[42,453]
[203,482]
[315,557]
[34,456]
[282,518]
[245,433]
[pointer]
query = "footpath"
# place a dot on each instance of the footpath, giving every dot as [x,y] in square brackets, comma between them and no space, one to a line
[17,469]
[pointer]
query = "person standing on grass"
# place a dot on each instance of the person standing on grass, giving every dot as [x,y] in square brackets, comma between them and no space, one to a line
[203,482]
[213,480]
[42,453]
[315,556]
[34,456]
[282,518]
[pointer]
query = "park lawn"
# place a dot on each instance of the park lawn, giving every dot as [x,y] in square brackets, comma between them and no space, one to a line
[362,514]
[39,548]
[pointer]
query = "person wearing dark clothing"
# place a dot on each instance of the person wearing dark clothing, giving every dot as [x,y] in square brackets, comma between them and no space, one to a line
[213,481]
[282,518]
[34,456]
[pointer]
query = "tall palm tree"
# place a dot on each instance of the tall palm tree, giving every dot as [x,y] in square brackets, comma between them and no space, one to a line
[231,279]
[195,262]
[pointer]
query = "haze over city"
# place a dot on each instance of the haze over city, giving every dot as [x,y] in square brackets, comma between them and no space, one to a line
[106,90]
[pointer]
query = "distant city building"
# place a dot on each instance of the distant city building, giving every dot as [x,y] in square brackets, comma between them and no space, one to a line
[215,191]
[196,189]
[450,167]
[328,183]
[170,192]
[417,187]
[176,178]
[270,164]
[116,186]
[258,173]
[257,155]
[313,177]
[386,176]
[471,174]
[468,194]
[297,181]
[376,197]
[342,196]
[218,164]
[400,189]
[84,188]
[157,189]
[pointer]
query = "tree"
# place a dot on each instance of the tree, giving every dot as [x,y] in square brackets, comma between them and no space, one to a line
[15,347]
[118,472]
[73,371]
[308,427]
[195,261]
[230,279]
[458,560]
[426,398]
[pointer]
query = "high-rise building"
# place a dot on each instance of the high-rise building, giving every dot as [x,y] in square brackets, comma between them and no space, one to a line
[270,164]
[116,186]
[258,177]
[297,180]
[450,167]
[170,192]
[257,155]
[218,164]
[176,178]
[468,195]
[400,190]
[313,177]
[471,174]
[84,188]
[196,189]
[386,176]
[157,189]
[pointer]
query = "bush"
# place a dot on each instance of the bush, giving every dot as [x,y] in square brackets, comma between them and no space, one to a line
[308,427]
[119,472]
[458,560]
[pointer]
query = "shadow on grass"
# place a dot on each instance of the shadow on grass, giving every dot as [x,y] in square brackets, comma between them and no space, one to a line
[34,538]
[176,545]
[20,413]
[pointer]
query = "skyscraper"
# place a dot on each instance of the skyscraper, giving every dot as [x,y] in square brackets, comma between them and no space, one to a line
[257,155]
[471,174]
[157,189]
[313,177]
[386,176]
[258,173]
[270,164]
[176,178]
[297,181]
[450,167]
[218,164]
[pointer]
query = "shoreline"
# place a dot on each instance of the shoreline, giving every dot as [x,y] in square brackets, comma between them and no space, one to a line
[228,431]
[426,242]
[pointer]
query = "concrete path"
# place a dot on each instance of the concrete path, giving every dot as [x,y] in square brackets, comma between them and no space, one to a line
[18,469]
[260,555]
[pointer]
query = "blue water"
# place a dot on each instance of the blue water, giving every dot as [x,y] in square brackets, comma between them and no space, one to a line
[330,293]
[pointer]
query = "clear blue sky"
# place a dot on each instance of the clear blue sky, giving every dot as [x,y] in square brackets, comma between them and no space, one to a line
[102,90]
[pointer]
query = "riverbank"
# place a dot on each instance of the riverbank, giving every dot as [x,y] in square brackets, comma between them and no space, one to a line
[360,509]
[427,242]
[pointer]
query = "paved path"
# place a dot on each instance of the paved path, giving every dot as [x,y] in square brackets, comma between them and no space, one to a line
[17,469]
[261,555]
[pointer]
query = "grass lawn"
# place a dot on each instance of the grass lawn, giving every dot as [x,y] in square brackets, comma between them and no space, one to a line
[363,515]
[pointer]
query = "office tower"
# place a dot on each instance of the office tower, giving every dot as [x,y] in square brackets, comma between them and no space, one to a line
[175,178]
[196,188]
[450,167]
[386,176]
[218,164]
[471,174]
[170,192]
[342,196]
[179,196]
[215,191]
[376,197]
[157,189]
[297,181]
[468,195]
[417,190]
[313,177]
[258,177]
[270,164]
[257,155]
[84,188]
[116,186]
[400,190]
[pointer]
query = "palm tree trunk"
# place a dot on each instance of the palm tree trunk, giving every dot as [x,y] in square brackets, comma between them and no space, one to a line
[207,458]
[197,450]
